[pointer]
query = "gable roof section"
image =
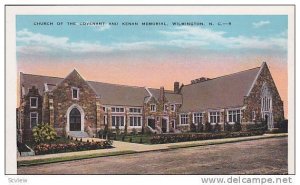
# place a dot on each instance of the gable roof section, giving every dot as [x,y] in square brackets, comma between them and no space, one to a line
[170,95]
[221,92]
[110,94]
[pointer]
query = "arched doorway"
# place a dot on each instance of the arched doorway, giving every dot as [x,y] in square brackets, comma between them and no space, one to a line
[75,120]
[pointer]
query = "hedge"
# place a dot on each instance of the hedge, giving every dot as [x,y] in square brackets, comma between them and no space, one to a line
[70,147]
[174,138]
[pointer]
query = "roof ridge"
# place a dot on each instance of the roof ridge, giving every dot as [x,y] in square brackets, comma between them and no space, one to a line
[115,84]
[41,75]
[223,76]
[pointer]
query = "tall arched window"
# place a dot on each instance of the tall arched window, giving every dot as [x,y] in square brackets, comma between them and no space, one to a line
[266,105]
[75,120]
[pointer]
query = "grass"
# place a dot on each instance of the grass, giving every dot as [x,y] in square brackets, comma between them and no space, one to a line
[71,158]
[135,138]
[223,141]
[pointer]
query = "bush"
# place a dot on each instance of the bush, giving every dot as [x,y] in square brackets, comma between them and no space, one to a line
[174,138]
[70,147]
[43,133]
[134,131]
[256,127]
[283,126]
[193,127]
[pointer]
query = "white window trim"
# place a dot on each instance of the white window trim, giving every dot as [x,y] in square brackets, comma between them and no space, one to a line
[154,108]
[209,114]
[37,102]
[253,115]
[233,110]
[202,116]
[37,118]
[75,88]
[187,119]
[133,124]
[165,107]
[174,105]
[105,119]
[116,108]
[141,111]
[105,108]
[119,125]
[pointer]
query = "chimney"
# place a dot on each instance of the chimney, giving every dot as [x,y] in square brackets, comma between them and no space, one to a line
[161,93]
[176,87]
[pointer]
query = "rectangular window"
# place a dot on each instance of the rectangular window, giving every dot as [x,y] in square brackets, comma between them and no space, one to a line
[253,116]
[234,116]
[165,108]
[33,119]
[197,118]
[117,109]
[105,120]
[183,119]
[104,109]
[75,93]
[135,110]
[173,108]
[118,121]
[135,121]
[214,117]
[33,102]
[152,108]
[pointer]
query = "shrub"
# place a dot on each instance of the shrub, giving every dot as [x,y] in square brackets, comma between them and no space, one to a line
[283,126]
[70,147]
[43,133]
[134,131]
[237,127]
[173,138]
[193,127]
[207,127]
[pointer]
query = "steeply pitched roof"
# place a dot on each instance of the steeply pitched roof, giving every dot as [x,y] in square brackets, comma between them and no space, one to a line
[110,94]
[221,92]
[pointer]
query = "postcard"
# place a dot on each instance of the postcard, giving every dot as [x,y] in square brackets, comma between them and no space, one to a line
[150,90]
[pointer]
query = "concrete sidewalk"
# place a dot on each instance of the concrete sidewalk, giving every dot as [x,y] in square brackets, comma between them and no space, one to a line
[125,146]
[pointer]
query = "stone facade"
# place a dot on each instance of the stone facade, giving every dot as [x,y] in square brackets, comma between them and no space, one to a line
[54,107]
[253,102]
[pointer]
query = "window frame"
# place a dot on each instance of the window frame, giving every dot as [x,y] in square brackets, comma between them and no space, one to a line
[151,107]
[120,126]
[234,114]
[77,89]
[37,102]
[117,108]
[133,123]
[217,117]
[186,116]
[200,115]
[173,107]
[37,118]
[134,110]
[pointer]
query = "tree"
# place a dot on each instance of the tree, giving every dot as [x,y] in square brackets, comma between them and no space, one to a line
[43,133]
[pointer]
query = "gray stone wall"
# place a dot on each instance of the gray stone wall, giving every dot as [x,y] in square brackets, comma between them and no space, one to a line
[253,101]
[62,100]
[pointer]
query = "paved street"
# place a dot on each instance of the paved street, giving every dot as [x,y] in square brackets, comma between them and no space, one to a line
[265,156]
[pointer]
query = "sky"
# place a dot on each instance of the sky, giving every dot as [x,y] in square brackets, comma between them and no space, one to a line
[120,49]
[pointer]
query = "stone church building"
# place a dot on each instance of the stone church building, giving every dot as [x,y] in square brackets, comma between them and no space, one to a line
[76,105]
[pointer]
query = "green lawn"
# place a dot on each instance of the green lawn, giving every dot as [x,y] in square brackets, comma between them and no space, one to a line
[143,139]
[71,158]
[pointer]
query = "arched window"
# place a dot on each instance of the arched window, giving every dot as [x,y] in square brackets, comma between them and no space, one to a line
[75,120]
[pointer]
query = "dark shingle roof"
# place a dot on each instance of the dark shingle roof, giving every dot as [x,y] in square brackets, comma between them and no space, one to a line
[221,92]
[110,94]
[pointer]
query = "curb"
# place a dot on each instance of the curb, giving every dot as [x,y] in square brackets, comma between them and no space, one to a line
[128,152]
